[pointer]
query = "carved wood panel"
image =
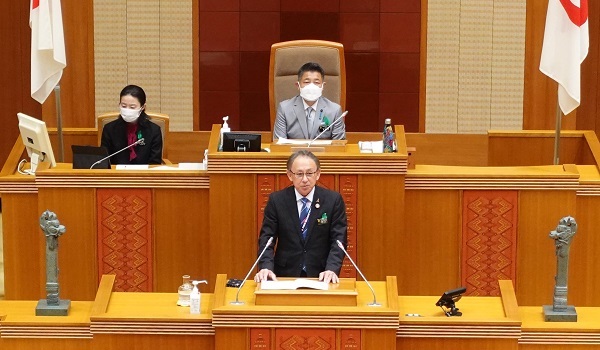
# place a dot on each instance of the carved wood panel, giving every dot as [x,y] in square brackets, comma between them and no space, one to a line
[125,237]
[260,339]
[305,339]
[489,243]
[349,188]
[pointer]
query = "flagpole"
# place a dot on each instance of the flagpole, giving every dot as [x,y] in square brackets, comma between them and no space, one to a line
[61,153]
[557,133]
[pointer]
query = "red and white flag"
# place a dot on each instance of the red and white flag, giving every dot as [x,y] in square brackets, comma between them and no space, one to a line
[566,43]
[48,58]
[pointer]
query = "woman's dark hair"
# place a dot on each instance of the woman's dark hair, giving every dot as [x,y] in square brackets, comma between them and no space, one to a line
[138,93]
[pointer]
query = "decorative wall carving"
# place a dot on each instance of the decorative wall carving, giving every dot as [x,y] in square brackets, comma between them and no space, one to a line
[125,237]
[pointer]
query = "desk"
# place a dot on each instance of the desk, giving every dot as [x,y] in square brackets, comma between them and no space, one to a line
[420,224]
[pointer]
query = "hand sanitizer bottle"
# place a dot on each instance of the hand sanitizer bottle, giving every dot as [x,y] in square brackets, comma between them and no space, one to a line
[224,128]
[195,298]
[184,291]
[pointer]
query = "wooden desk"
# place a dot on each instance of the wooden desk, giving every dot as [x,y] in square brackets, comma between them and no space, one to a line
[434,226]
[539,335]
[21,329]
[334,327]
[487,323]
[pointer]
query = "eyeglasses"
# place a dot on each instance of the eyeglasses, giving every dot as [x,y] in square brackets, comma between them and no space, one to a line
[308,175]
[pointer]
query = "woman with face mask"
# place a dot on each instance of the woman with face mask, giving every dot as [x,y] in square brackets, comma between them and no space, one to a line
[133,125]
[309,114]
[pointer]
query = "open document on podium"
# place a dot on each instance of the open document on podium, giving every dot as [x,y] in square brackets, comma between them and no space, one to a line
[294,284]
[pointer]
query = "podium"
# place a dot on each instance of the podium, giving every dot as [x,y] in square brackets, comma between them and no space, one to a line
[253,326]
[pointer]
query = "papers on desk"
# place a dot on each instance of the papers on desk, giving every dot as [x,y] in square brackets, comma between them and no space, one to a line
[181,166]
[132,166]
[282,141]
[294,284]
[370,146]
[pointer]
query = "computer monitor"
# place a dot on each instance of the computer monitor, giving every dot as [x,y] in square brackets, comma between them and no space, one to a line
[241,142]
[36,140]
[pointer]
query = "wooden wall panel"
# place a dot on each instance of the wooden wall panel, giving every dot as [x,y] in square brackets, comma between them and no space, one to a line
[45,344]
[587,113]
[77,83]
[430,247]
[232,227]
[152,341]
[231,338]
[77,246]
[539,213]
[508,151]
[381,234]
[180,249]
[20,221]
[458,343]
[583,274]
[15,36]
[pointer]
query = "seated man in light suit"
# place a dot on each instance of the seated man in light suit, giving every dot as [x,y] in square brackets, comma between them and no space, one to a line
[306,115]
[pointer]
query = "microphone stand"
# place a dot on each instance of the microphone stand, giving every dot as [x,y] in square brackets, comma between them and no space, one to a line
[328,127]
[374,303]
[237,302]
[138,142]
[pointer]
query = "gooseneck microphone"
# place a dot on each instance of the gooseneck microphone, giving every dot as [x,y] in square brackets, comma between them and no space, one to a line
[138,142]
[237,302]
[374,303]
[328,127]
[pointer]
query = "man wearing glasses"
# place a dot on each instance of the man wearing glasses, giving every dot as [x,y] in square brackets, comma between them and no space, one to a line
[305,221]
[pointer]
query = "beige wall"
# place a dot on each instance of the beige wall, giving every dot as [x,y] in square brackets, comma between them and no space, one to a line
[474,74]
[146,43]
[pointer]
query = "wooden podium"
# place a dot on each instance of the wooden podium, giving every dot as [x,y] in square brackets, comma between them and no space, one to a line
[270,327]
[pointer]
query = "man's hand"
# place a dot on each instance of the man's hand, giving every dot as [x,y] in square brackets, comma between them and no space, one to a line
[329,276]
[264,275]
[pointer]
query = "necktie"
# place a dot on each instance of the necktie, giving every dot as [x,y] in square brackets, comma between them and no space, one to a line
[304,216]
[309,122]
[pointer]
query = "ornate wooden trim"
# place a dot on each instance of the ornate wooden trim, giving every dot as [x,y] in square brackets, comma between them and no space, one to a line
[125,241]
[489,248]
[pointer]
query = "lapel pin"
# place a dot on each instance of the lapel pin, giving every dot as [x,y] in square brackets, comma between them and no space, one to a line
[317,204]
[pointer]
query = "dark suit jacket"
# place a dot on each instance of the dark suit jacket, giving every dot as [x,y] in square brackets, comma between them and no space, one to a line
[114,138]
[319,252]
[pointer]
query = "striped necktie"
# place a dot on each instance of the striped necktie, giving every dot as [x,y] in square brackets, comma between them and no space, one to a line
[304,216]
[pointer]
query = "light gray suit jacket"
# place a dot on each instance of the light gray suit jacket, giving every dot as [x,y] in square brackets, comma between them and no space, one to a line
[290,122]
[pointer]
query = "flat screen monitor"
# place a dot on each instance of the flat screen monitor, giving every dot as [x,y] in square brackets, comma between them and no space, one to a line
[36,140]
[90,157]
[241,142]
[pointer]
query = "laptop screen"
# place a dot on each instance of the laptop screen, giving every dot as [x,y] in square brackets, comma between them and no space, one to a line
[85,156]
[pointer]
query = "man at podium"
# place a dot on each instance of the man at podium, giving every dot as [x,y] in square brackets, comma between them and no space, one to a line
[305,222]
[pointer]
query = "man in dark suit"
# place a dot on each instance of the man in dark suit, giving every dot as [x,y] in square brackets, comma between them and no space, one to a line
[305,221]
[305,115]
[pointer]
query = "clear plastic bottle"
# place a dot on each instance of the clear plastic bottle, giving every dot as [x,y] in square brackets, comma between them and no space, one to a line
[184,291]
[388,137]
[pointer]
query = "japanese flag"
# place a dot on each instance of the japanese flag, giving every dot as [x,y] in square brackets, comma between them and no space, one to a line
[48,57]
[566,43]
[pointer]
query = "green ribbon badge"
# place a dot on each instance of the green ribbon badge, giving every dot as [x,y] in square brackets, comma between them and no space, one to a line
[323,219]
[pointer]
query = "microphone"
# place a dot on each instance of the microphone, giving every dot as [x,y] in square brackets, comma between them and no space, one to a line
[328,127]
[237,302]
[374,303]
[138,142]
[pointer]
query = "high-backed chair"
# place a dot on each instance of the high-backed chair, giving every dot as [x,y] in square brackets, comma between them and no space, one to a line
[162,120]
[287,57]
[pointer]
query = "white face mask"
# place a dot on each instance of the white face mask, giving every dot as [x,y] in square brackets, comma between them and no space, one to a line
[130,115]
[311,92]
